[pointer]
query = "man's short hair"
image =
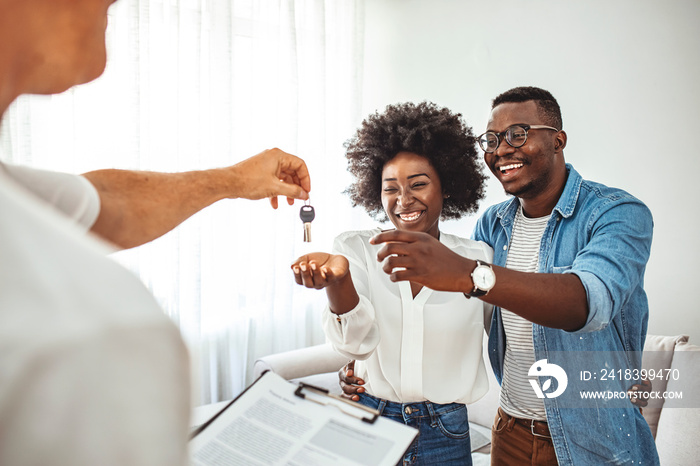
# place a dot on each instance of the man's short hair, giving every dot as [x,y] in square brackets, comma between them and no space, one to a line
[547,105]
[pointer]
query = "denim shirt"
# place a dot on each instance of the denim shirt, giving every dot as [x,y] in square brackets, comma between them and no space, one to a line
[603,235]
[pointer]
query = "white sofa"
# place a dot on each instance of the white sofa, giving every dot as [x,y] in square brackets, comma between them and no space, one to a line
[676,430]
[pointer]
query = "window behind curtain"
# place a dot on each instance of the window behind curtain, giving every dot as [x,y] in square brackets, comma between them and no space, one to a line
[194,84]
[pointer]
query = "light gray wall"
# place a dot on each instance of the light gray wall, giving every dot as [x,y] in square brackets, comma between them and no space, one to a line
[626,74]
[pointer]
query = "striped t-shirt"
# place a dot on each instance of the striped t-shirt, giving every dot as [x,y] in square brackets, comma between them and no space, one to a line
[518,399]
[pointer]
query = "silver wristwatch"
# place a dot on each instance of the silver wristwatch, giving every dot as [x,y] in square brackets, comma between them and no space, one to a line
[484,279]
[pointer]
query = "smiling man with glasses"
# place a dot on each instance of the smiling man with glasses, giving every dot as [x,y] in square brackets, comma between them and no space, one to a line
[567,282]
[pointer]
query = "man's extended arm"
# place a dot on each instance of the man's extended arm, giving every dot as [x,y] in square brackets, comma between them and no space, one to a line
[553,300]
[137,207]
[598,281]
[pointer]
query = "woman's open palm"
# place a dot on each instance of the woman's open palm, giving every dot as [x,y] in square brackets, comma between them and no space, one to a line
[319,269]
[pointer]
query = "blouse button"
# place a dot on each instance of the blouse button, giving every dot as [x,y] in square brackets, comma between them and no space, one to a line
[505,247]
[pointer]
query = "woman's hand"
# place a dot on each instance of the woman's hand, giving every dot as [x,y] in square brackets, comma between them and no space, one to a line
[350,384]
[319,269]
[639,393]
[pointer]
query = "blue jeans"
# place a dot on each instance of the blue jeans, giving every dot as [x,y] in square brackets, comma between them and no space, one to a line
[443,437]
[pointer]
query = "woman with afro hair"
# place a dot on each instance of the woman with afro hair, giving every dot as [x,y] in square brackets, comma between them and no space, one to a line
[417,350]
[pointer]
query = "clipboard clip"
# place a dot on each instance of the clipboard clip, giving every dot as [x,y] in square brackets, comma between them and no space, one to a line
[347,407]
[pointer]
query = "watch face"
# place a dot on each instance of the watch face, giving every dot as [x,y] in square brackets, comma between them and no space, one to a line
[484,278]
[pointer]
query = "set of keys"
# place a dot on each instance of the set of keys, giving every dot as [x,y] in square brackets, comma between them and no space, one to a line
[307,214]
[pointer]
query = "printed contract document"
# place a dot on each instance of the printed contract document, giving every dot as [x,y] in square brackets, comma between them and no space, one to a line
[272,422]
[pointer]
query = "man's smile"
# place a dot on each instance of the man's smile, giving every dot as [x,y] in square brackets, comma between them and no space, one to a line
[510,168]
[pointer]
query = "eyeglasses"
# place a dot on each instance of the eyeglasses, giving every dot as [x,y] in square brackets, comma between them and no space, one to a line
[516,136]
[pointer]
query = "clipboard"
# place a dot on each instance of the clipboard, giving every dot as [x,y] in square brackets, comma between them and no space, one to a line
[372,414]
[276,422]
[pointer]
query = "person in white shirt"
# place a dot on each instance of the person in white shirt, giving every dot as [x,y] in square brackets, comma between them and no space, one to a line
[418,350]
[91,370]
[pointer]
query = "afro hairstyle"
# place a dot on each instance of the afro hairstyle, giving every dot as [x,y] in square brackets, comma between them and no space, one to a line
[425,129]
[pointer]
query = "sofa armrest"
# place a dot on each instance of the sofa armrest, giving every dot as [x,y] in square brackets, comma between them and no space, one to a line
[301,362]
[658,355]
[679,423]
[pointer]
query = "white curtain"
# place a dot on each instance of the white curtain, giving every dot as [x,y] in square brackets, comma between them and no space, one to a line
[193,84]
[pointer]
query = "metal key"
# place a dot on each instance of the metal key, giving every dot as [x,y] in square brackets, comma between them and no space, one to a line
[307,214]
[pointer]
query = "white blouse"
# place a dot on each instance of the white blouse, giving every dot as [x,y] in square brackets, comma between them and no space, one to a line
[410,349]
